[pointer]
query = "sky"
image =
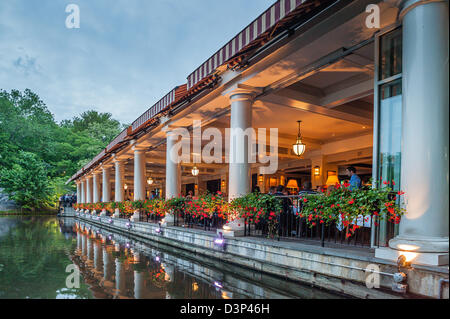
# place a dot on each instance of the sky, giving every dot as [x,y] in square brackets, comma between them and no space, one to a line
[126,55]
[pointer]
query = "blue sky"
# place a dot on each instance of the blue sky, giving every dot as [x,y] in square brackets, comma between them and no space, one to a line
[126,55]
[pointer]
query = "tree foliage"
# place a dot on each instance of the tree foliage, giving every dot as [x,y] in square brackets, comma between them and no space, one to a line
[26,125]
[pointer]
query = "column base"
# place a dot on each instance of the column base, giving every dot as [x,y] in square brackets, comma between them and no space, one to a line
[103,213]
[420,244]
[231,233]
[135,217]
[168,220]
[116,213]
[235,228]
[429,259]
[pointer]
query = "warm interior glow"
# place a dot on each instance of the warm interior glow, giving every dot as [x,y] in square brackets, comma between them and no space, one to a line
[292,184]
[150,181]
[332,180]
[195,171]
[316,171]
[299,148]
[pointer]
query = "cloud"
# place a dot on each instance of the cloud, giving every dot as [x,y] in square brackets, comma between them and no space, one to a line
[26,64]
[126,55]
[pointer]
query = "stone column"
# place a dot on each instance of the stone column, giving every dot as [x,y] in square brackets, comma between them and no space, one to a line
[173,173]
[83,191]
[239,184]
[95,189]
[106,187]
[119,191]
[89,190]
[425,135]
[78,192]
[139,178]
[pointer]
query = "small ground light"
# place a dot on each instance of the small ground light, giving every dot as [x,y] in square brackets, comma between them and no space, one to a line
[110,220]
[220,241]
[159,230]
[399,284]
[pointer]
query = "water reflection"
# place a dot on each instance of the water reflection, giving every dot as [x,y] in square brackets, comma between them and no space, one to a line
[126,268]
[34,254]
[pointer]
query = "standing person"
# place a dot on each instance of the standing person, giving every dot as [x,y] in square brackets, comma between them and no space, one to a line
[355,181]
[272,190]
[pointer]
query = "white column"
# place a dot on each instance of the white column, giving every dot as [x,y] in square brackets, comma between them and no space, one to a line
[106,187]
[78,192]
[119,177]
[83,191]
[139,178]
[95,189]
[425,134]
[239,183]
[89,189]
[173,173]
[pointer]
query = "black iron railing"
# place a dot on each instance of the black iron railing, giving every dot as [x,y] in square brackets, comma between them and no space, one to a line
[292,226]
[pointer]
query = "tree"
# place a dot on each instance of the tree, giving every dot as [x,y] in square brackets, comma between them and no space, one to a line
[27,125]
[27,182]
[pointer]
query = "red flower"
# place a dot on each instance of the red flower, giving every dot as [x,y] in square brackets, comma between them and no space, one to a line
[400,193]
[351,202]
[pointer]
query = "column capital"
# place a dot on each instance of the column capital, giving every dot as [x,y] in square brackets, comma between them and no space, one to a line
[241,89]
[409,5]
[106,166]
[137,148]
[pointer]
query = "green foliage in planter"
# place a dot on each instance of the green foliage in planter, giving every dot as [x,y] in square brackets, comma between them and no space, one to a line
[344,206]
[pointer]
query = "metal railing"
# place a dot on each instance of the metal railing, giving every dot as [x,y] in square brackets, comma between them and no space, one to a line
[291,226]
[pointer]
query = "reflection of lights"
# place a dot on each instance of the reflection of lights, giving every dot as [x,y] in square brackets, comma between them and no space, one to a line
[410,256]
[157,259]
[218,284]
[407,251]
[225,295]
[194,286]
[407,247]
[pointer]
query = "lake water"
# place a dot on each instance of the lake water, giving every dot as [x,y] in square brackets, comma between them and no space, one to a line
[41,256]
